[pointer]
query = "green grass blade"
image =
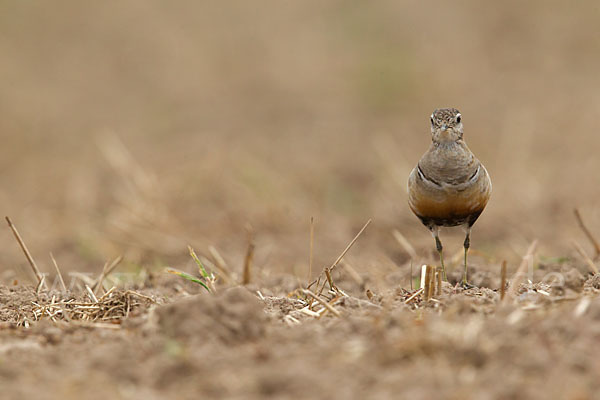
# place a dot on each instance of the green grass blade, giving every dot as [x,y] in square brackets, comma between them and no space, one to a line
[188,277]
[199,263]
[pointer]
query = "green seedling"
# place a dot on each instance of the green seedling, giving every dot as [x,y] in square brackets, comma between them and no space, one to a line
[188,277]
[207,279]
[201,268]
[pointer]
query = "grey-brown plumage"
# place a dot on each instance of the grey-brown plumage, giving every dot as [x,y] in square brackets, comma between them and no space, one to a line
[449,186]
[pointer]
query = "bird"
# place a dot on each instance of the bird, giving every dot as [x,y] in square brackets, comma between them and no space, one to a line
[449,186]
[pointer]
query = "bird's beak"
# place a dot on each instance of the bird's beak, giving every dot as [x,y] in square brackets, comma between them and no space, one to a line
[444,127]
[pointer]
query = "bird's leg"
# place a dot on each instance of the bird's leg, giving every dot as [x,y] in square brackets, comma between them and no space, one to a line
[467,244]
[438,245]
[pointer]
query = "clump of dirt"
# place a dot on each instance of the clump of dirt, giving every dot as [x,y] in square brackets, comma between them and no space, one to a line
[16,304]
[231,316]
[239,343]
[574,280]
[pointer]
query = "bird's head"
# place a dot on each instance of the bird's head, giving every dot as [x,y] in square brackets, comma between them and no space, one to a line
[446,125]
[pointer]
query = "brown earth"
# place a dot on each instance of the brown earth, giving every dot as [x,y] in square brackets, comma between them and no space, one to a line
[241,344]
[137,128]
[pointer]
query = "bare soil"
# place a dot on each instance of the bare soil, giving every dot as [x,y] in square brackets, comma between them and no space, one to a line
[135,129]
[241,343]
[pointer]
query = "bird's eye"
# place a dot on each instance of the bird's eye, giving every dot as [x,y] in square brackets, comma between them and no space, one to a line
[431,118]
[458,119]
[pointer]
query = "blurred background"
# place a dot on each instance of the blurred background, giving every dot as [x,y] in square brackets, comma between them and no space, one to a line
[139,127]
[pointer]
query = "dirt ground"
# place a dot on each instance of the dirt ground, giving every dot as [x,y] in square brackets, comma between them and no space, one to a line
[242,343]
[135,129]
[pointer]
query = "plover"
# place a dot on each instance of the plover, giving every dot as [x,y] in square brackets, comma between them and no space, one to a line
[449,186]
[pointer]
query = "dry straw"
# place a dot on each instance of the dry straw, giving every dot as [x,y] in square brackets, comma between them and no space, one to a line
[588,234]
[106,270]
[248,259]
[414,296]
[337,261]
[354,275]
[520,275]
[325,304]
[221,265]
[30,259]
[503,280]
[429,281]
[311,245]
[585,257]
[60,277]
[111,307]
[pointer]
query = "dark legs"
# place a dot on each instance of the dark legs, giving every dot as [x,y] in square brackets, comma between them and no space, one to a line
[438,245]
[467,244]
